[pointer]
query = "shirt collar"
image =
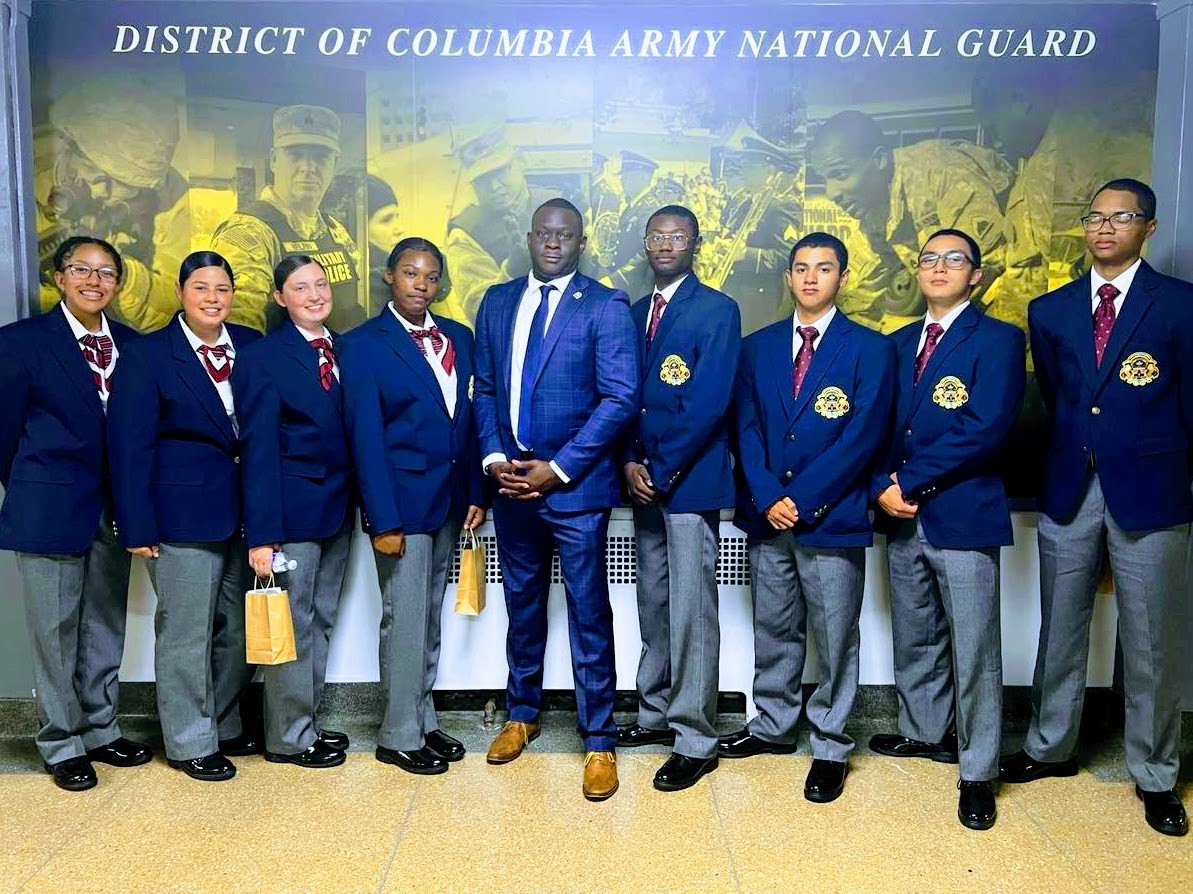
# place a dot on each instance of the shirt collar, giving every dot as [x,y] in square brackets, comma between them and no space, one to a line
[1122,282]
[196,342]
[410,327]
[560,283]
[79,330]
[949,319]
[310,338]
[820,325]
[669,292]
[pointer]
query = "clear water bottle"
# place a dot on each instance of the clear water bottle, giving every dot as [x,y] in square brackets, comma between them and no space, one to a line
[281,564]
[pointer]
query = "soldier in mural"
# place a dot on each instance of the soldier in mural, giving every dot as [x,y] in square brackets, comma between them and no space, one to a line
[486,239]
[605,205]
[899,196]
[643,195]
[103,166]
[384,232]
[286,220]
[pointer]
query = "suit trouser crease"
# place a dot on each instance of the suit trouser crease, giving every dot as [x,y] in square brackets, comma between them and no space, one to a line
[527,535]
[293,690]
[1150,574]
[797,587]
[200,651]
[681,636]
[75,609]
[946,633]
[412,591]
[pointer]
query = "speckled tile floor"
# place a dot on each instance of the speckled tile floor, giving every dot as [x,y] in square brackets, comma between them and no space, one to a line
[366,826]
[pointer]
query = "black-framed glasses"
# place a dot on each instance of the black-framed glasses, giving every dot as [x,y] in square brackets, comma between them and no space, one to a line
[655,241]
[1118,220]
[954,259]
[82,271]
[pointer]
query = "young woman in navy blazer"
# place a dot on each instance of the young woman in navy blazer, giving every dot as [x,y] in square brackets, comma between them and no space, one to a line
[297,482]
[409,415]
[175,457]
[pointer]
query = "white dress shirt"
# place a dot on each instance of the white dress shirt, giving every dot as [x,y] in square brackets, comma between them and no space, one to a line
[1122,282]
[81,331]
[667,293]
[447,383]
[225,387]
[797,340]
[949,319]
[335,364]
[527,305]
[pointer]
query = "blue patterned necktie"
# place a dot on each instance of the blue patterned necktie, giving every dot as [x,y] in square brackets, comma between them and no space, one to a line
[530,364]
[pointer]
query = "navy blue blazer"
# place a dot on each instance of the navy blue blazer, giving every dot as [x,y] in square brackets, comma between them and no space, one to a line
[53,451]
[175,458]
[681,433]
[585,395]
[949,430]
[416,466]
[818,449]
[296,471]
[1133,415]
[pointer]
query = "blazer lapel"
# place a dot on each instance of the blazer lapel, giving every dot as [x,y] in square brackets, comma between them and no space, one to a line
[67,352]
[509,319]
[196,379]
[569,303]
[782,366]
[403,345]
[1137,302]
[957,334]
[675,308]
[831,343]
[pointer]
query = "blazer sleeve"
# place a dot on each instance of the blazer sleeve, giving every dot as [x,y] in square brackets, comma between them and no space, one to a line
[712,380]
[617,381]
[487,381]
[15,386]
[824,481]
[134,411]
[366,435]
[1044,360]
[258,410]
[764,485]
[986,419]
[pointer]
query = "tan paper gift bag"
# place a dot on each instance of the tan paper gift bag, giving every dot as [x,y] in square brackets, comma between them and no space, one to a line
[470,591]
[268,627]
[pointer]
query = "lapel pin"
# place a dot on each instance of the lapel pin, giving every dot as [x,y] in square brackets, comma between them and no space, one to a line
[577,295]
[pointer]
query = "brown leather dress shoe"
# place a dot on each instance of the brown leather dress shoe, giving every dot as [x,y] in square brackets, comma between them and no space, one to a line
[514,737]
[600,775]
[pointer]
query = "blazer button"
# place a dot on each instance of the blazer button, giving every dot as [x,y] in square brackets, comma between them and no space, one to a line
[791,437]
[236,459]
[1095,410]
[907,433]
[789,474]
[644,411]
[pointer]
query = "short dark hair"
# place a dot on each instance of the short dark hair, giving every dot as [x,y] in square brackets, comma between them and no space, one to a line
[677,211]
[561,202]
[416,243]
[856,129]
[975,253]
[1143,193]
[821,240]
[288,265]
[197,260]
[68,246]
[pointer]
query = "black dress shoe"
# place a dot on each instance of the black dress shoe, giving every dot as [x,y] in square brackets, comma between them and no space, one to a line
[743,743]
[975,806]
[75,774]
[121,753]
[243,745]
[826,781]
[211,768]
[318,757]
[420,762]
[442,745]
[1164,812]
[894,745]
[1022,767]
[635,734]
[680,772]
[336,740]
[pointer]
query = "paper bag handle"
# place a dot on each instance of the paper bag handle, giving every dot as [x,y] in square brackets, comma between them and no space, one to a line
[473,542]
[257,582]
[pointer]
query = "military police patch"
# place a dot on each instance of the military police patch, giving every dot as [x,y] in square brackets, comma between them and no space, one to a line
[950,393]
[674,370]
[1139,369]
[831,403]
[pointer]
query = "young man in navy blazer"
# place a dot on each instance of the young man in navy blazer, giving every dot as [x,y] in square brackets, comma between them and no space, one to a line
[941,502]
[677,472]
[1113,352]
[814,396]
[556,385]
[56,372]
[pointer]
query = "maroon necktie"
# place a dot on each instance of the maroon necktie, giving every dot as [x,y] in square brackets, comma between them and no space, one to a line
[438,339]
[804,358]
[97,349]
[327,361]
[656,314]
[935,331]
[217,373]
[1104,318]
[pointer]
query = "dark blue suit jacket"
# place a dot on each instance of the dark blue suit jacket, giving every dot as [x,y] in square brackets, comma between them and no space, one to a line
[175,458]
[53,451]
[817,449]
[945,443]
[681,433]
[585,395]
[1139,435]
[296,470]
[416,465]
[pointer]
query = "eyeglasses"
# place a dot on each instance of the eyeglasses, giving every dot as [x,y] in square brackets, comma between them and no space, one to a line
[954,260]
[1117,221]
[655,241]
[83,271]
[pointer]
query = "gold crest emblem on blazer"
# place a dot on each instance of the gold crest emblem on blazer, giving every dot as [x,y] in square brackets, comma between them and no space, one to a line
[950,393]
[674,370]
[1139,369]
[831,403]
